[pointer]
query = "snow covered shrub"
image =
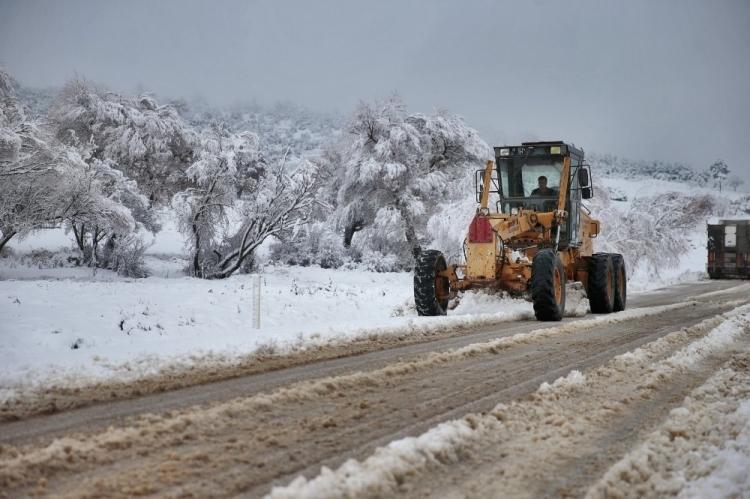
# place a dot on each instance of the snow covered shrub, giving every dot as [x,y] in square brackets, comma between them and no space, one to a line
[125,255]
[315,244]
[375,261]
[44,259]
[741,206]
[10,146]
[654,230]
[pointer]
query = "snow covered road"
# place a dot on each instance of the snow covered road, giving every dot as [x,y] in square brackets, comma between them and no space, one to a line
[246,435]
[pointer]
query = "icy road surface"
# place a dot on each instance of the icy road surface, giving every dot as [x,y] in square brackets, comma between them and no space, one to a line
[516,409]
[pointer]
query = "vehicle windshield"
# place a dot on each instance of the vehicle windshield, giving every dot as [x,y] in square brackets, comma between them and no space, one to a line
[529,182]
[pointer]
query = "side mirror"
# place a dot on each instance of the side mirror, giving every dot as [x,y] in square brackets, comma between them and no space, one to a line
[584,181]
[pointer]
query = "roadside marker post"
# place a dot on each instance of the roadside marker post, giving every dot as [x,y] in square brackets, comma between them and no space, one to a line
[256,301]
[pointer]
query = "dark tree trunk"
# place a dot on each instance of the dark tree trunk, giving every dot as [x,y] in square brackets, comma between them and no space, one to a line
[96,238]
[6,237]
[78,233]
[350,230]
[80,236]
[409,231]
[197,251]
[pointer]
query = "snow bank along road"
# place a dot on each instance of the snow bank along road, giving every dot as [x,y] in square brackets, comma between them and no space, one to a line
[473,402]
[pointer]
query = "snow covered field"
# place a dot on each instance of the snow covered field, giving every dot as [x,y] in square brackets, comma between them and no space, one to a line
[77,327]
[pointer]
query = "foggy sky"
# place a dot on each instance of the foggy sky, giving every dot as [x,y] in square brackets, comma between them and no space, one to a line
[654,79]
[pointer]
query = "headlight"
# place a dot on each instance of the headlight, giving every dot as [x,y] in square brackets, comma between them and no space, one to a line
[505,151]
[484,211]
[514,211]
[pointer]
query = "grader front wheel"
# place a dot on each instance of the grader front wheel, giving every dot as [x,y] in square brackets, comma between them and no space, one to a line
[548,286]
[431,290]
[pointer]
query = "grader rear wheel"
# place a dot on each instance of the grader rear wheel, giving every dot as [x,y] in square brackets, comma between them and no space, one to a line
[621,283]
[431,290]
[601,287]
[548,286]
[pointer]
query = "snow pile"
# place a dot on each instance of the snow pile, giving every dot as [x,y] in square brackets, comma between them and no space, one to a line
[706,440]
[576,300]
[702,450]
[574,379]
[378,474]
[737,323]
[724,470]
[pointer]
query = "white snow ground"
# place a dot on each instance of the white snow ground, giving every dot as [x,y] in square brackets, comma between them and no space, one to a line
[75,329]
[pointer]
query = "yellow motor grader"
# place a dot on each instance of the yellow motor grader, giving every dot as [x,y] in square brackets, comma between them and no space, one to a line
[534,239]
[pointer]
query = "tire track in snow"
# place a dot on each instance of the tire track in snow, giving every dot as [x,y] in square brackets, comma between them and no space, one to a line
[386,471]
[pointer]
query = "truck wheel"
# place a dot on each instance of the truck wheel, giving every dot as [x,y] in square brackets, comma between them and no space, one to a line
[431,291]
[621,283]
[601,287]
[548,286]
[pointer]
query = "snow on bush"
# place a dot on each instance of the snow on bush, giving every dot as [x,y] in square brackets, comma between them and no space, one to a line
[654,231]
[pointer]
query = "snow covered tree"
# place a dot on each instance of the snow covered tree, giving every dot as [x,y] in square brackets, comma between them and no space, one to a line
[124,144]
[735,182]
[399,167]
[149,143]
[718,171]
[33,166]
[105,207]
[238,201]
[204,207]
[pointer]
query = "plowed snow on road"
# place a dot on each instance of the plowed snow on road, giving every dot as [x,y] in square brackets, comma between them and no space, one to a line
[551,443]
[469,420]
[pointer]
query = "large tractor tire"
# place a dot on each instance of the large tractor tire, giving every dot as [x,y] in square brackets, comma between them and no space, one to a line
[621,283]
[431,291]
[548,286]
[601,287]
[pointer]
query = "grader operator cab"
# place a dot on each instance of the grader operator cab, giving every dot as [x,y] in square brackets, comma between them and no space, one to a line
[534,238]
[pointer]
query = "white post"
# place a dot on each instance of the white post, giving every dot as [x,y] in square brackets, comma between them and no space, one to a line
[256,301]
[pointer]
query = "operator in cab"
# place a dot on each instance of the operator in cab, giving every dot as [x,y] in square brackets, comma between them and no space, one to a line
[543,190]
